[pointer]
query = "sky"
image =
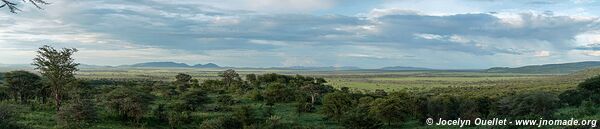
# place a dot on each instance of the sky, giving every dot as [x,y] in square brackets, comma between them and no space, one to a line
[445,34]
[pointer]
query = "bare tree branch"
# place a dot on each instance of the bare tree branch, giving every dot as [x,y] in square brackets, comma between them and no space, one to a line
[12,6]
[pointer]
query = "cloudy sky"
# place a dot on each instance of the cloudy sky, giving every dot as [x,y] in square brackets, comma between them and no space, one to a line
[452,34]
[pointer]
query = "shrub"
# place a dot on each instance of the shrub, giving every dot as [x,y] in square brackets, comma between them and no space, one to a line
[278,93]
[78,114]
[178,119]
[537,103]
[194,99]
[129,103]
[304,107]
[572,97]
[7,120]
[335,104]
[225,122]
[591,84]
[226,100]
[359,119]
[244,114]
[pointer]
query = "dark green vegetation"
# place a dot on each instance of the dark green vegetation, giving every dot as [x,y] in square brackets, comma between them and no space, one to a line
[548,68]
[229,99]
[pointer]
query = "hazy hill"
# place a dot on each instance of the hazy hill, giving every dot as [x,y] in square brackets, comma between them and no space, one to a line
[209,65]
[404,68]
[159,64]
[548,68]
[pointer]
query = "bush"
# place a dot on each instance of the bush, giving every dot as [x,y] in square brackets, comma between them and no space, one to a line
[335,104]
[78,114]
[572,97]
[129,103]
[304,107]
[591,84]
[179,119]
[226,100]
[255,95]
[245,114]
[194,99]
[537,103]
[279,93]
[7,120]
[226,122]
[359,119]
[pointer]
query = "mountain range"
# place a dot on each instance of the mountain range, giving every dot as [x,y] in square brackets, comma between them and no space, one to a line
[172,64]
[548,68]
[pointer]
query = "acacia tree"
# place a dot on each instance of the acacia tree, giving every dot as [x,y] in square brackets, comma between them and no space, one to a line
[22,84]
[12,4]
[59,67]
[183,82]
[229,77]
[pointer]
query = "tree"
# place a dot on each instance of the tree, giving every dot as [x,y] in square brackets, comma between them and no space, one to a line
[316,90]
[277,92]
[58,67]
[229,77]
[194,99]
[591,84]
[391,109]
[23,84]
[183,82]
[359,119]
[244,114]
[12,4]
[536,103]
[129,103]
[336,104]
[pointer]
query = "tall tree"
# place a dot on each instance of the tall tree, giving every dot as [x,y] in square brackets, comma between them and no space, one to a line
[230,76]
[182,81]
[58,66]
[12,4]
[22,84]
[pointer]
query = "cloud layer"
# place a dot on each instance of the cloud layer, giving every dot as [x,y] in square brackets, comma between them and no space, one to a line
[269,33]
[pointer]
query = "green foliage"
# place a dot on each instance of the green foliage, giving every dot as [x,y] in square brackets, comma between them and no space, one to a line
[179,119]
[225,122]
[58,67]
[129,103]
[336,104]
[572,97]
[245,114]
[536,103]
[278,93]
[359,119]
[7,118]
[182,82]
[226,100]
[255,95]
[23,85]
[194,99]
[591,84]
[78,114]
[304,107]
[391,109]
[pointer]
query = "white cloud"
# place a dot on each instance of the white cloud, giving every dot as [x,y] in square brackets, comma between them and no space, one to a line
[541,54]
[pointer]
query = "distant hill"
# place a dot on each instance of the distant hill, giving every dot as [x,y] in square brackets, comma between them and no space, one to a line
[159,64]
[404,68]
[548,68]
[209,65]
[172,64]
